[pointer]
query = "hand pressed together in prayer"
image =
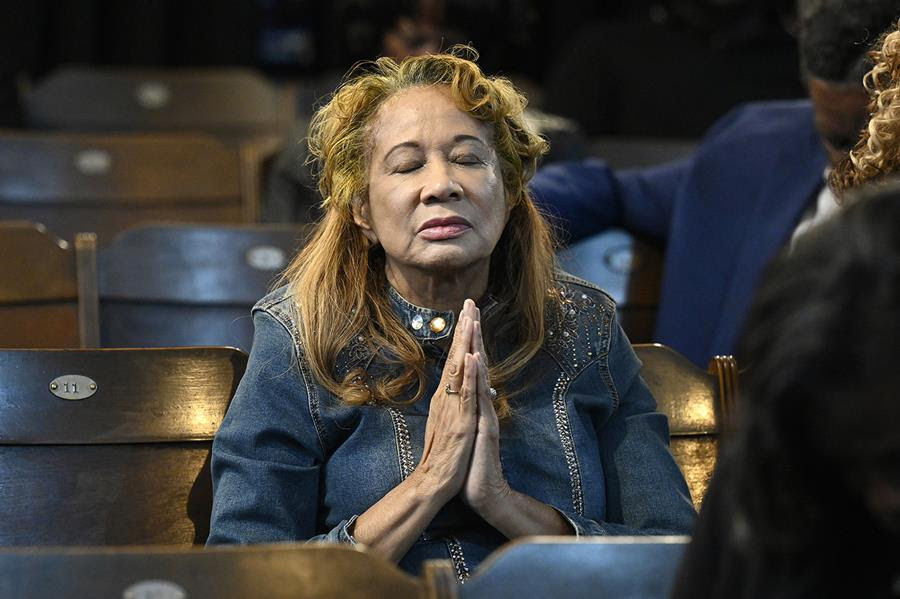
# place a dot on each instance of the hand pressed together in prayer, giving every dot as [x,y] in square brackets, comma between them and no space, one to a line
[461,456]
[462,436]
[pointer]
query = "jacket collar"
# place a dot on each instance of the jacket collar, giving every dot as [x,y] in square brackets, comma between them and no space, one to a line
[431,325]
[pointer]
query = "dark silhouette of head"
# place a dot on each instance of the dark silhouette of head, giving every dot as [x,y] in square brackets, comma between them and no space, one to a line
[816,488]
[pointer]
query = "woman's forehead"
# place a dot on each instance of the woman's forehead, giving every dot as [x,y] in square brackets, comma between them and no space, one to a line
[423,114]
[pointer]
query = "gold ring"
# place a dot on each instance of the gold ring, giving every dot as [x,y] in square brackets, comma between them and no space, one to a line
[450,391]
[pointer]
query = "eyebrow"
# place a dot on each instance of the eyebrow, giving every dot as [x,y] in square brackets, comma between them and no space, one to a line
[456,139]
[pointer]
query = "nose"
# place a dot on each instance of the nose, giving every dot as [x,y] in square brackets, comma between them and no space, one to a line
[439,185]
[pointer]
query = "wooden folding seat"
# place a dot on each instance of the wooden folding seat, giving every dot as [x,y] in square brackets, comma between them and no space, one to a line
[168,285]
[629,268]
[110,447]
[700,407]
[592,567]
[83,182]
[231,103]
[286,571]
[48,295]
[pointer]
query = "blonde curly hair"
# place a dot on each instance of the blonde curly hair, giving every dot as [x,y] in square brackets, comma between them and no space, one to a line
[877,153]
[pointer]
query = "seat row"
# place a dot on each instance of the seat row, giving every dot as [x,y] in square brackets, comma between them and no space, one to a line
[151,286]
[533,567]
[233,104]
[208,276]
[112,446]
[105,183]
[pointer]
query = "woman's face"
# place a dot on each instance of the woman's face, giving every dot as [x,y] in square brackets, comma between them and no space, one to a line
[436,201]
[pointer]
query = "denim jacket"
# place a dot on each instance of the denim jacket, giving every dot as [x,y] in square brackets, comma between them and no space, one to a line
[291,461]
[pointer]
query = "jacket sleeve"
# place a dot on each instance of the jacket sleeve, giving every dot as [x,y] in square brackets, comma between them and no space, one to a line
[267,455]
[646,493]
[588,197]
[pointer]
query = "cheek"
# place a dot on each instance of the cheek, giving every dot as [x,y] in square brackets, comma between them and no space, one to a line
[388,210]
[500,206]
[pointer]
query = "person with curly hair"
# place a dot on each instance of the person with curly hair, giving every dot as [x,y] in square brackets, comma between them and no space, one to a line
[757,180]
[806,499]
[877,153]
[426,383]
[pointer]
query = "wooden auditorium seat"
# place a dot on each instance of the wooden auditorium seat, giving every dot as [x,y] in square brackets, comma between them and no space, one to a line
[700,407]
[106,183]
[110,447]
[47,288]
[231,103]
[629,268]
[592,567]
[286,571]
[168,285]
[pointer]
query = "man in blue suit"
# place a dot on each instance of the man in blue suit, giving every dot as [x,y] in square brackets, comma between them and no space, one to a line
[757,178]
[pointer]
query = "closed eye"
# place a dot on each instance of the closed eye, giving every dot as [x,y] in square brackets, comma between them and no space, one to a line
[408,167]
[468,160]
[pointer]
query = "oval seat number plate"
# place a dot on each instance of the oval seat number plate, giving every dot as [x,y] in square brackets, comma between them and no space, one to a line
[73,387]
[154,589]
[266,257]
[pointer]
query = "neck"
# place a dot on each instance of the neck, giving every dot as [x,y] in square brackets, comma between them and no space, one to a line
[442,290]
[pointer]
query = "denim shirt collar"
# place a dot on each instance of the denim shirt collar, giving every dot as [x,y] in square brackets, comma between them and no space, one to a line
[431,325]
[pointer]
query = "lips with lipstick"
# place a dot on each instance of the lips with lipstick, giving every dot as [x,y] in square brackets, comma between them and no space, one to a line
[439,229]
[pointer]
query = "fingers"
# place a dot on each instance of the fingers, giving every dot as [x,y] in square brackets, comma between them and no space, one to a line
[462,341]
[487,414]
[469,392]
[478,342]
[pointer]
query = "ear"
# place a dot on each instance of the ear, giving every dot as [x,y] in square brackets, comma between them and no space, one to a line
[360,210]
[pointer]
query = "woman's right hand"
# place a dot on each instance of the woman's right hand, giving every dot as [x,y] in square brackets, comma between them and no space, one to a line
[452,418]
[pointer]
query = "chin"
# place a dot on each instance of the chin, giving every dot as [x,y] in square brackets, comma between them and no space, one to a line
[452,259]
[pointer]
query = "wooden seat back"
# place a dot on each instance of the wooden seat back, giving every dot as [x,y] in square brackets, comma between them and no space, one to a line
[563,567]
[167,285]
[698,404]
[230,103]
[629,268]
[110,447]
[287,571]
[47,288]
[104,184]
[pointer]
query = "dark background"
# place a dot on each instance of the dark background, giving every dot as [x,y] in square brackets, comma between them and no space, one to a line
[645,68]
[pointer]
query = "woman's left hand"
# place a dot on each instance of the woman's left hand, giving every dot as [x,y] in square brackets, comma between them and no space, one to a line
[485,486]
